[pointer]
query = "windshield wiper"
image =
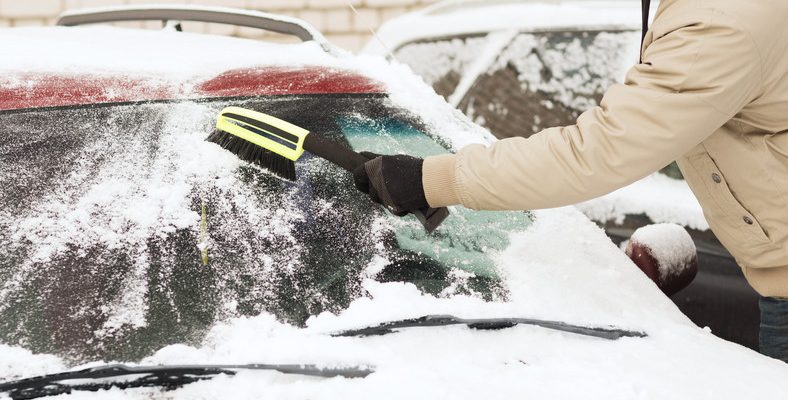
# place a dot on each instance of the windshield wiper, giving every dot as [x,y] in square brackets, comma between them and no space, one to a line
[166,376]
[610,333]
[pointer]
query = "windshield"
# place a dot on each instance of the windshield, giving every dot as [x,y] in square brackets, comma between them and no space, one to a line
[123,231]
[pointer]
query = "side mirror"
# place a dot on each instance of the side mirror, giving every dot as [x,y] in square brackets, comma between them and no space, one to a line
[666,254]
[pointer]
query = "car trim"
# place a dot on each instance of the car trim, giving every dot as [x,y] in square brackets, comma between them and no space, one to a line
[220,15]
[49,90]
[188,100]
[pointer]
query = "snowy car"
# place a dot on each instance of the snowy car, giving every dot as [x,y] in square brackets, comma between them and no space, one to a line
[126,237]
[517,68]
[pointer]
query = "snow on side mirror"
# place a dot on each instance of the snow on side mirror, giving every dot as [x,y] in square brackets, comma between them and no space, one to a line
[666,254]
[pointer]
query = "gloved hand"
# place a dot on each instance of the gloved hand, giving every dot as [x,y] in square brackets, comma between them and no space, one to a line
[393,181]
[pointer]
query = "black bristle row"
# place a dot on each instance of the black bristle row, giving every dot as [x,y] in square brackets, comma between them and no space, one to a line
[254,154]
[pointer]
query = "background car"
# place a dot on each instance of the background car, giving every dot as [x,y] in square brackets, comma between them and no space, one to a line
[127,237]
[520,67]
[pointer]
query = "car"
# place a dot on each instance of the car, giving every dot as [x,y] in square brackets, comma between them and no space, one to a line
[519,67]
[129,238]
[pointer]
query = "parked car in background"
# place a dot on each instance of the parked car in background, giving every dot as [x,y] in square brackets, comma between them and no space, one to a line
[520,67]
[127,237]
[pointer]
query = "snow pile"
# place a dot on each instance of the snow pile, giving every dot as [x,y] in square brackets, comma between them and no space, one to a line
[670,244]
[659,197]
[559,269]
[17,363]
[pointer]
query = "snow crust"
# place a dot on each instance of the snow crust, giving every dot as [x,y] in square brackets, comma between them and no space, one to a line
[444,57]
[439,21]
[670,244]
[661,198]
[557,269]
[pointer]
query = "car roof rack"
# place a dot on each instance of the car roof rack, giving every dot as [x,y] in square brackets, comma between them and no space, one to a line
[220,15]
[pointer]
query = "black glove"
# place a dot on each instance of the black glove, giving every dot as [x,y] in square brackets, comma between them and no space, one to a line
[393,181]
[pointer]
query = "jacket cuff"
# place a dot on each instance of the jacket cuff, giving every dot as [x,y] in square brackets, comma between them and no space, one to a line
[439,180]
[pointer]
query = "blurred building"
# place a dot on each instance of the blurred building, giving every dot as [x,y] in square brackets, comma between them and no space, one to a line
[335,18]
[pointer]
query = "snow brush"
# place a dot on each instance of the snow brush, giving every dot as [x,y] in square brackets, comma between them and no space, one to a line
[276,145]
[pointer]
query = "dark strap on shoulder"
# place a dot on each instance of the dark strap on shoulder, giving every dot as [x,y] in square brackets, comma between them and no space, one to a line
[646,11]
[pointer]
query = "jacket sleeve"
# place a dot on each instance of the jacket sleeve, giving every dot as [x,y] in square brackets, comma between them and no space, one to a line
[693,79]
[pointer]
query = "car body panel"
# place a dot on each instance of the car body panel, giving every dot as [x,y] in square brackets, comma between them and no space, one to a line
[55,90]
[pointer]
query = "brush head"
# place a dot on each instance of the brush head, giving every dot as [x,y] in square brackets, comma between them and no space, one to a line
[252,153]
[261,139]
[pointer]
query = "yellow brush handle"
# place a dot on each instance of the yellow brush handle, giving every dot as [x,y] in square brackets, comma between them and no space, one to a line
[266,131]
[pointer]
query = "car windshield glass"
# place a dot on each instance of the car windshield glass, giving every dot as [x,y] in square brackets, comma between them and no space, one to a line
[123,231]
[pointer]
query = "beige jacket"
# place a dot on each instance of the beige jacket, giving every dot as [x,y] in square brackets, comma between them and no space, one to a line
[712,92]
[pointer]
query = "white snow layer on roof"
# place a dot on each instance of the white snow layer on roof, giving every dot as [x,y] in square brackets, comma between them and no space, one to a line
[524,16]
[559,269]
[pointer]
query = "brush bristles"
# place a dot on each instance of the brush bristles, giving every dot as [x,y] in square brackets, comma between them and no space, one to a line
[255,154]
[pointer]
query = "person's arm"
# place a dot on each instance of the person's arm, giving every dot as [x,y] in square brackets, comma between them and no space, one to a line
[692,81]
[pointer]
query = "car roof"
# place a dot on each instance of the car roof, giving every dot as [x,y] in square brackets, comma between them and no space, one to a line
[467,18]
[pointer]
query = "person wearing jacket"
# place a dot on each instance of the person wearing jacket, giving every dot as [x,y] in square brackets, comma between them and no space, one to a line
[711,91]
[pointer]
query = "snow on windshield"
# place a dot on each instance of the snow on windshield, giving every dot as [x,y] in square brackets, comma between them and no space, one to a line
[112,213]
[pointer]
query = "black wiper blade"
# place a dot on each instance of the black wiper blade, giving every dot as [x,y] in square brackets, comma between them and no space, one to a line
[165,376]
[609,332]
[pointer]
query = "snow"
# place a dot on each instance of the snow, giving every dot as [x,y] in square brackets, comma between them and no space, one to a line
[560,268]
[588,283]
[16,362]
[495,43]
[578,72]
[670,244]
[661,198]
[445,56]
[441,20]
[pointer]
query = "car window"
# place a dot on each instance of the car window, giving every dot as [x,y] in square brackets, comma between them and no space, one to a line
[461,244]
[539,80]
[547,79]
[446,60]
[123,231]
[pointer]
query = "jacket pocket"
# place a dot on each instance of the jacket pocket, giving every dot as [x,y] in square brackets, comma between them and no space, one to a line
[735,226]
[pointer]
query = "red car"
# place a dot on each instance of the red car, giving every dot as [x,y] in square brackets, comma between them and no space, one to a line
[126,236]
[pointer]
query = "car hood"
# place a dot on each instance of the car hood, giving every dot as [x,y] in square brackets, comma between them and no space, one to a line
[560,269]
